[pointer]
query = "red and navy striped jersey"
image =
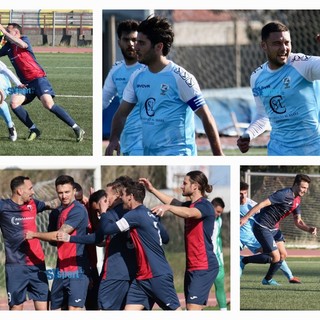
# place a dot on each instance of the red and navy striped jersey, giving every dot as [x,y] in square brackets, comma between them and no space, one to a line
[15,220]
[72,256]
[283,203]
[23,60]
[198,237]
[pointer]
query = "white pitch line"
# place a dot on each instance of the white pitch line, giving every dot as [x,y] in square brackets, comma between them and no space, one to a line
[72,96]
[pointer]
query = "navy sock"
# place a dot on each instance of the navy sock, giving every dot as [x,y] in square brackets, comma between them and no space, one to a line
[63,115]
[274,267]
[260,258]
[23,116]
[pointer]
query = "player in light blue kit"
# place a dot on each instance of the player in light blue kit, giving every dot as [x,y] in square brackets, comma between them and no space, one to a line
[167,97]
[6,76]
[117,79]
[247,237]
[285,95]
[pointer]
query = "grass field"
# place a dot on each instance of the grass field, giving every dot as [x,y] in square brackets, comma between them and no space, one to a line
[304,296]
[71,79]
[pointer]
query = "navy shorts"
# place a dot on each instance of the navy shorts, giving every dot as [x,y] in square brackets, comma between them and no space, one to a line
[197,285]
[267,238]
[112,294]
[69,292]
[22,280]
[158,290]
[37,88]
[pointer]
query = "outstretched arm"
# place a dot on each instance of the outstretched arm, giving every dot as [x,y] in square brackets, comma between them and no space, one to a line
[254,210]
[49,236]
[299,223]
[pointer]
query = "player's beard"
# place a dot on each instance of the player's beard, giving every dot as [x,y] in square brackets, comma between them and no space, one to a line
[129,55]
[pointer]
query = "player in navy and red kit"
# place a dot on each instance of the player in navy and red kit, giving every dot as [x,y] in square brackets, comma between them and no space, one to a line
[19,50]
[25,264]
[276,207]
[71,276]
[154,278]
[201,266]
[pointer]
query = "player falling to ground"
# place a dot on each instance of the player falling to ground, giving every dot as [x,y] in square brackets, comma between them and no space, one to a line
[117,79]
[219,205]
[70,283]
[154,277]
[267,214]
[248,239]
[6,76]
[167,96]
[198,213]
[19,50]
[286,95]
[25,262]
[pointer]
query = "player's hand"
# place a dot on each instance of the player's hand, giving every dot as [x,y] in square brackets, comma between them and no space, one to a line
[243,220]
[313,231]
[148,185]
[112,146]
[29,235]
[243,144]
[63,236]
[103,205]
[160,210]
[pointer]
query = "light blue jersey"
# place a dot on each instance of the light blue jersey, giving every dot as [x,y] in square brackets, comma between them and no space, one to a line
[116,81]
[289,99]
[167,102]
[247,238]
[4,84]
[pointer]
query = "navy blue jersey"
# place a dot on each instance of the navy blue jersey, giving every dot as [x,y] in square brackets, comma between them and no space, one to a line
[283,202]
[23,60]
[71,256]
[146,237]
[15,220]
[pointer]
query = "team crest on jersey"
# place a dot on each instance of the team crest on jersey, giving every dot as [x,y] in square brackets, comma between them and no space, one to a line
[286,81]
[164,88]
[29,206]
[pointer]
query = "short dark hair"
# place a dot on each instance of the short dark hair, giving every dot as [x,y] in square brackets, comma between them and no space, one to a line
[244,185]
[96,196]
[301,177]
[274,26]
[158,29]
[17,182]
[218,202]
[16,26]
[127,26]
[137,189]
[64,179]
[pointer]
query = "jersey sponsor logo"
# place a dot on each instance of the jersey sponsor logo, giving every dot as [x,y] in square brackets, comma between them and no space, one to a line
[276,104]
[300,57]
[16,221]
[185,76]
[149,106]
[143,86]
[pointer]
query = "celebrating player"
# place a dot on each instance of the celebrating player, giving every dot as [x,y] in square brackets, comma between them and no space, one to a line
[18,49]
[117,79]
[267,214]
[201,263]
[167,96]
[25,264]
[285,94]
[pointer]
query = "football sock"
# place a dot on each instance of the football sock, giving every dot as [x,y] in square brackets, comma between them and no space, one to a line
[286,270]
[260,258]
[62,114]
[5,114]
[274,267]
[23,116]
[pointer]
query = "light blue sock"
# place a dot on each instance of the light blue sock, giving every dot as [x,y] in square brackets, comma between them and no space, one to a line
[5,114]
[286,270]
